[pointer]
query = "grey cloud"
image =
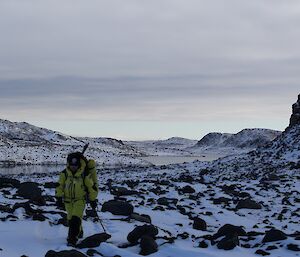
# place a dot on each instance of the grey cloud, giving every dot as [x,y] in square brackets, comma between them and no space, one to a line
[150,59]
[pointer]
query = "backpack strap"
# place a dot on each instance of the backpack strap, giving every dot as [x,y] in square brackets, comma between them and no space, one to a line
[65,173]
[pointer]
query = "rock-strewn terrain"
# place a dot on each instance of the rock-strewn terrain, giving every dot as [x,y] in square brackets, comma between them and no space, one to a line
[244,205]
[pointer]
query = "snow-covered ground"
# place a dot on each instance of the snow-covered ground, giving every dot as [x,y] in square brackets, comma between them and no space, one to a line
[213,198]
[257,191]
[248,203]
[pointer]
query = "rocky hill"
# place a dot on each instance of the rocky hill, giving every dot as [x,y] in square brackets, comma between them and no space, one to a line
[278,156]
[228,144]
[172,146]
[24,143]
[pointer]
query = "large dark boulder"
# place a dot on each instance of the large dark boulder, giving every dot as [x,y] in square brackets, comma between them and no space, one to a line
[118,207]
[230,230]
[29,190]
[274,235]
[148,245]
[248,204]
[199,224]
[94,240]
[71,253]
[9,182]
[140,231]
[228,242]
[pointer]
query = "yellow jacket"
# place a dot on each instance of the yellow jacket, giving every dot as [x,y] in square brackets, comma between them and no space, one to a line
[74,187]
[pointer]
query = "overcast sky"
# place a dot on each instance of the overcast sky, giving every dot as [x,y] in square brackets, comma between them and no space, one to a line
[140,69]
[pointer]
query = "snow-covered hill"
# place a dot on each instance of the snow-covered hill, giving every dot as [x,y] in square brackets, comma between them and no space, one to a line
[243,141]
[174,146]
[24,143]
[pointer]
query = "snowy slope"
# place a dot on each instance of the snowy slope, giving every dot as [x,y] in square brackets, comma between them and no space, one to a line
[228,144]
[28,144]
[174,146]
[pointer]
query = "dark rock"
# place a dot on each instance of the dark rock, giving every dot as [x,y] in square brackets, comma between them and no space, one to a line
[5,208]
[51,185]
[141,217]
[271,247]
[293,247]
[29,190]
[9,182]
[39,217]
[230,230]
[248,204]
[93,252]
[94,240]
[221,200]
[228,242]
[66,253]
[185,178]
[183,235]
[187,190]
[138,232]
[122,191]
[167,201]
[203,244]
[274,235]
[117,207]
[199,224]
[38,200]
[26,206]
[262,252]
[148,245]
[295,118]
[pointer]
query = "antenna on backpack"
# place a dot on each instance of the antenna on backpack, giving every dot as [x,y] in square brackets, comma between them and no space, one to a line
[84,148]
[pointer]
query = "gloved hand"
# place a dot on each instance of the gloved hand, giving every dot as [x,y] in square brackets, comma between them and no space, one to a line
[94,204]
[59,202]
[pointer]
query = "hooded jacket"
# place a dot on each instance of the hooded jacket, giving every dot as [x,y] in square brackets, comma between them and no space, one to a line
[77,186]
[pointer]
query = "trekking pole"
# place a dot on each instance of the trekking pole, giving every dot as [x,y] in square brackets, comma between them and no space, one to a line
[99,219]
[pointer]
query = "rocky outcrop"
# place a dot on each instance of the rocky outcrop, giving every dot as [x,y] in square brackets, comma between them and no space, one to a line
[295,118]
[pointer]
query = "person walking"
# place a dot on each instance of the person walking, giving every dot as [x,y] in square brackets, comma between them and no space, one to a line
[77,185]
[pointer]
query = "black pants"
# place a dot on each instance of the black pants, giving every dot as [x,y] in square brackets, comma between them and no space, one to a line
[74,229]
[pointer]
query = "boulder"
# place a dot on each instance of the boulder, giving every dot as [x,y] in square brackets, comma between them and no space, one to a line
[274,235]
[122,191]
[51,185]
[117,207]
[141,217]
[140,231]
[29,190]
[293,247]
[199,224]
[93,241]
[228,242]
[221,200]
[9,182]
[248,204]
[230,230]
[166,201]
[66,253]
[262,252]
[148,245]
[187,190]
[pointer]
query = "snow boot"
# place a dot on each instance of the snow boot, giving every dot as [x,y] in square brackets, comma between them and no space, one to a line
[74,231]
